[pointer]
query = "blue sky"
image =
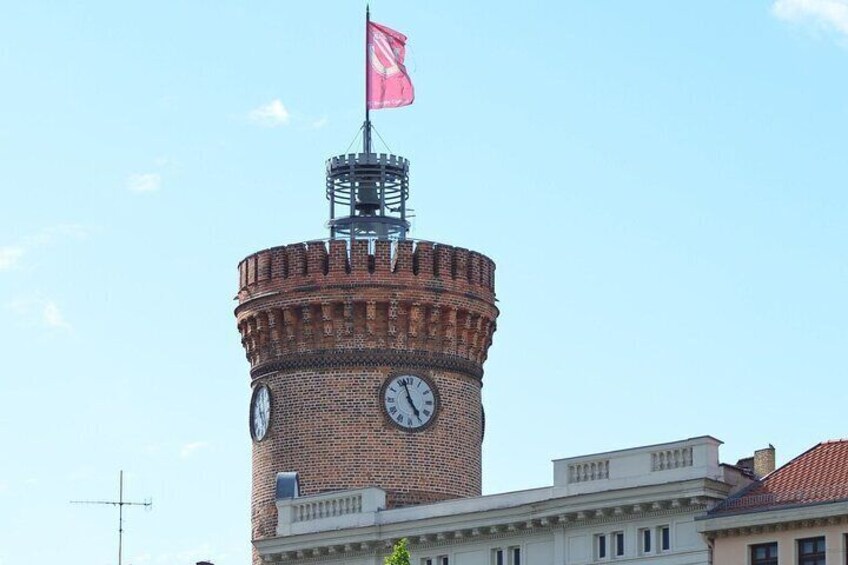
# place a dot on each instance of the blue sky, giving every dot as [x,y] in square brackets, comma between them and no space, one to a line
[662,186]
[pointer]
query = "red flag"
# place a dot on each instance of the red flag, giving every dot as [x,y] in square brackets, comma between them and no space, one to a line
[388,83]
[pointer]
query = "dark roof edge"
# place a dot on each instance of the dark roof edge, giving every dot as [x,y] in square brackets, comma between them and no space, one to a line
[762,509]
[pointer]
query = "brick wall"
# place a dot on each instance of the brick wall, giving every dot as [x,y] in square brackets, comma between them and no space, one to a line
[323,325]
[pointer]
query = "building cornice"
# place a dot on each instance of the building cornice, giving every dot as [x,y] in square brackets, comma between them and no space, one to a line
[427,527]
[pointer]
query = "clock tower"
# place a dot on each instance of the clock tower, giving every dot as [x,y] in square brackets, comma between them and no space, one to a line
[366,350]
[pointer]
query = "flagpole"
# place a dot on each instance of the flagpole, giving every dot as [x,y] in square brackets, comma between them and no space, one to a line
[366,127]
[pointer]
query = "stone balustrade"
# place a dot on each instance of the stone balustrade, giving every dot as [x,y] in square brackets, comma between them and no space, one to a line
[588,471]
[325,507]
[671,459]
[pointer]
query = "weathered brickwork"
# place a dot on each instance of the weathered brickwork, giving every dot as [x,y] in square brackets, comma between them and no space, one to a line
[324,324]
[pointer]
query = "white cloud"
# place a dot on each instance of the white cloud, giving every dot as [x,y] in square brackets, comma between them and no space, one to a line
[9,256]
[320,122]
[827,13]
[270,115]
[144,182]
[164,162]
[39,312]
[190,449]
[52,316]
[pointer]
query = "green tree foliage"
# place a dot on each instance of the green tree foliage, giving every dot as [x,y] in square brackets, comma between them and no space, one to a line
[399,555]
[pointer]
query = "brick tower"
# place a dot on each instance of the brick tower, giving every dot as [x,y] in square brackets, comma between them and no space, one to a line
[366,350]
[327,327]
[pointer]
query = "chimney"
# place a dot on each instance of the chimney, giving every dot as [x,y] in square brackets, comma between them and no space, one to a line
[760,464]
[764,461]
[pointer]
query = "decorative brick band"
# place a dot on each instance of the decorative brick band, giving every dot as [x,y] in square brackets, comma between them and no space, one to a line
[279,327]
[369,358]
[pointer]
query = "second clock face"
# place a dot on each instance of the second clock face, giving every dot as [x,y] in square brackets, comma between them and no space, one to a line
[260,412]
[410,401]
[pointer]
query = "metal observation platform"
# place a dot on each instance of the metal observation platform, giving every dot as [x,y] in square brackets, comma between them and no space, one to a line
[367,193]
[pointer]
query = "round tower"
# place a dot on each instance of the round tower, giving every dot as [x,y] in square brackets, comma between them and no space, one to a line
[366,351]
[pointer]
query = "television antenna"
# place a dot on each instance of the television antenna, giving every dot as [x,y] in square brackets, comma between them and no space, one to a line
[120,503]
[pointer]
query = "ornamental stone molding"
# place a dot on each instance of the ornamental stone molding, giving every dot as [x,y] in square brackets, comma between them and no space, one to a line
[465,532]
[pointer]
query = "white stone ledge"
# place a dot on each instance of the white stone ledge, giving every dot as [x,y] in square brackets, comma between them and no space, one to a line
[329,511]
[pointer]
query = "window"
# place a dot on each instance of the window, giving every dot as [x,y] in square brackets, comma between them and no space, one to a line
[664,533]
[618,544]
[508,556]
[645,540]
[443,560]
[426,561]
[764,554]
[811,551]
[600,546]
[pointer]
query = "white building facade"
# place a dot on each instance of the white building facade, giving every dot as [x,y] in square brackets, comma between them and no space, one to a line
[630,506]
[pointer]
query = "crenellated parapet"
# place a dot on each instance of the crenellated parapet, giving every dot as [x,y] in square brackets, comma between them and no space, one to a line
[320,304]
[290,267]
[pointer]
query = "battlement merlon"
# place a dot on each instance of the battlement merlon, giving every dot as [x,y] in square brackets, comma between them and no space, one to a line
[291,267]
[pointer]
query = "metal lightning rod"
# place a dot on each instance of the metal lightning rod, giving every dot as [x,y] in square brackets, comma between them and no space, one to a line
[120,503]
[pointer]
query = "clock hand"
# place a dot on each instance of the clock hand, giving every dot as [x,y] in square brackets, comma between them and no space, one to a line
[412,404]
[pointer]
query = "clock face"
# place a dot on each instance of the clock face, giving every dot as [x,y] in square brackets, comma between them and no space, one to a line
[410,401]
[260,412]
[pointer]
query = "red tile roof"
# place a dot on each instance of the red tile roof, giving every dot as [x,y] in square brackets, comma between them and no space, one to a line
[818,475]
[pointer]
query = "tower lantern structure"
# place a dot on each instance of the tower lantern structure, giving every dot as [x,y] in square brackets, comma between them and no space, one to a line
[366,352]
[367,194]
